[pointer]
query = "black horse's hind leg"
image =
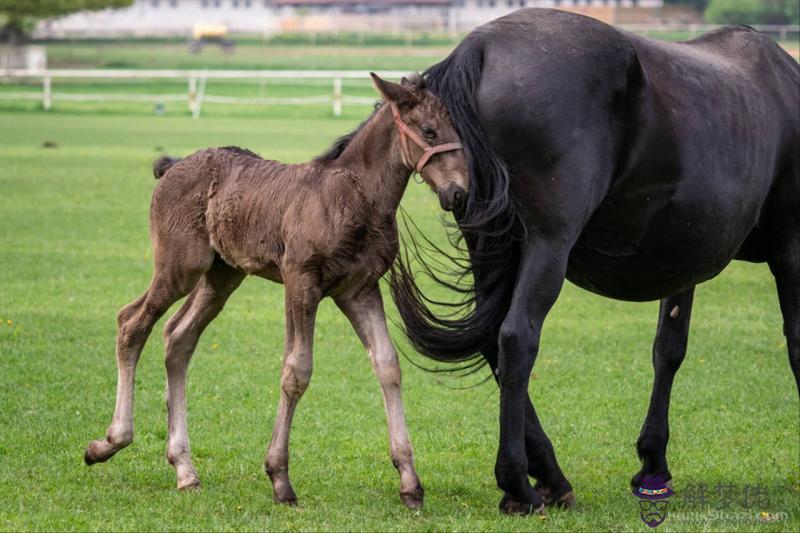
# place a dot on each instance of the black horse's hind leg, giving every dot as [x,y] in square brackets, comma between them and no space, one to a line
[784,262]
[788,282]
[551,484]
[789,296]
[781,232]
[541,275]
[669,349]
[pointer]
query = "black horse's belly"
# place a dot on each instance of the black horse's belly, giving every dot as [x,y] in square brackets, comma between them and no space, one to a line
[636,277]
[650,249]
[692,191]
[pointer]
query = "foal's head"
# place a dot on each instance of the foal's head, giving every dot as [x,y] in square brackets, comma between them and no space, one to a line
[428,141]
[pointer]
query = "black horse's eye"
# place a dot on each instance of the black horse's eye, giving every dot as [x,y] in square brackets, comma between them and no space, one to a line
[428,132]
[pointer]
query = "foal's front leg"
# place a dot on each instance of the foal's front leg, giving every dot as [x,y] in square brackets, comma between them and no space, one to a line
[367,316]
[302,298]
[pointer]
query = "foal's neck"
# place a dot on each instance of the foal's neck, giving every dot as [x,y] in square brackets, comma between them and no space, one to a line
[374,154]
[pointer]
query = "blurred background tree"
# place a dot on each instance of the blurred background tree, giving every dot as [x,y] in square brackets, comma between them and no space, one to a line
[17,17]
[753,12]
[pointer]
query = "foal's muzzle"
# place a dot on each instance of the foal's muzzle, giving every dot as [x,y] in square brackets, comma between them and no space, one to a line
[452,198]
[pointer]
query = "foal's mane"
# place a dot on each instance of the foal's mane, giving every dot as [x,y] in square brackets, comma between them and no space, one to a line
[415,81]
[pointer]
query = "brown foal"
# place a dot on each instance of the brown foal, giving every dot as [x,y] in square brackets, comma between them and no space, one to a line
[322,228]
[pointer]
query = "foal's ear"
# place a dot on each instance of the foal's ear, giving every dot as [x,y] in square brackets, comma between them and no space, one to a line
[394,92]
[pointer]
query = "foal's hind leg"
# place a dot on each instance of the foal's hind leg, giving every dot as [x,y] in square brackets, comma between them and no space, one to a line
[180,338]
[170,283]
[368,319]
[669,350]
[173,277]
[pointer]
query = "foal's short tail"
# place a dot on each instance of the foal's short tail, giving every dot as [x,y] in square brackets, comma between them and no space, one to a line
[162,164]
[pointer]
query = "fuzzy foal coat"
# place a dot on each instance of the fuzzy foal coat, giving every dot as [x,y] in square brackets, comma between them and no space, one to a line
[260,215]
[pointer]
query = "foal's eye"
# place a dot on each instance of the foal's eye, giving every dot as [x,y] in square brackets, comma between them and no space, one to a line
[428,132]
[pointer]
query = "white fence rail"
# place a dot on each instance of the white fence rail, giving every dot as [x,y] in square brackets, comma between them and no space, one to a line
[194,96]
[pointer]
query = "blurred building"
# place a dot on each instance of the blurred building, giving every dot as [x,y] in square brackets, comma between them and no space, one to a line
[179,17]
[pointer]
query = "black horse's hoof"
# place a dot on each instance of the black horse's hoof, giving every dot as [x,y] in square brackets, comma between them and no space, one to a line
[636,480]
[564,499]
[510,506]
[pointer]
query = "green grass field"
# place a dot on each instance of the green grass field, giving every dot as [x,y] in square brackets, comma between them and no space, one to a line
[74,248]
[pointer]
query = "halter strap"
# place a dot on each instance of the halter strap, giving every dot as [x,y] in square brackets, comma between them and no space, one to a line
[428,150]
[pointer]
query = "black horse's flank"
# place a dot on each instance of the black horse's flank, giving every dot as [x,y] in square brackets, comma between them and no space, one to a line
[637,169]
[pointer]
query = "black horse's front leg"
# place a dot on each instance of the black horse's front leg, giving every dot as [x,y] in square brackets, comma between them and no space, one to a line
[539,281]
[669,350]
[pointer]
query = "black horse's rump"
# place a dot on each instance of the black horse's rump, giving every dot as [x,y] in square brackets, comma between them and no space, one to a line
[637,169]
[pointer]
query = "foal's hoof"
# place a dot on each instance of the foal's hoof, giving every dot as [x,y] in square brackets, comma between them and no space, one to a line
[284,494]
[98,451]
[88,457]
[510,506]
[290,500]
[189,484]
[413,499]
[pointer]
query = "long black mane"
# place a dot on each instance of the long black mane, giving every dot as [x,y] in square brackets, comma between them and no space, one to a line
[484,273]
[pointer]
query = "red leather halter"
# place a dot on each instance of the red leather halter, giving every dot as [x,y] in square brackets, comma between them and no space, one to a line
[428,150]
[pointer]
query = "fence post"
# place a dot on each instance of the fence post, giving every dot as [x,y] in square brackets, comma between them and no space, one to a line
[192,93]
[47,95]
[200,94]
[337,97]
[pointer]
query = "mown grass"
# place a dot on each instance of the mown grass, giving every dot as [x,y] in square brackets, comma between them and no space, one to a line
[74,248]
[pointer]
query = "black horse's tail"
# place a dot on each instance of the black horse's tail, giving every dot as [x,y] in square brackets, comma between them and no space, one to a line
[490,227]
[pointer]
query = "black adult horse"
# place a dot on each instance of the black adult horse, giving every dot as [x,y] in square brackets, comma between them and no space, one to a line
[634,168]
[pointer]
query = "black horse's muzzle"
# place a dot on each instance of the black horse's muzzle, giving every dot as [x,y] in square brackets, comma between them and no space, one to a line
[452,198]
